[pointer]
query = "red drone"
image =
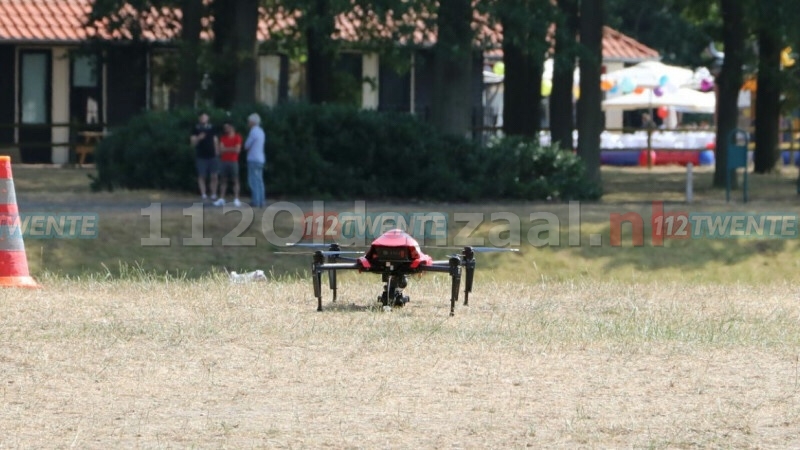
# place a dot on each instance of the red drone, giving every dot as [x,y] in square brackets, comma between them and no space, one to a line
[395,255]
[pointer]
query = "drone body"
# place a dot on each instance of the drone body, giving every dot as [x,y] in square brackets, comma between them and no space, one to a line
[395,255]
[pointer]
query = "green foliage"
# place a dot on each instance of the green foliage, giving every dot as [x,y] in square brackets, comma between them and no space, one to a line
[679,29]
[522,168]
[334,151]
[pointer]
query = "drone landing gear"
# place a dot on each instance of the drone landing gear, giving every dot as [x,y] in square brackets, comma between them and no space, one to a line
[393,291]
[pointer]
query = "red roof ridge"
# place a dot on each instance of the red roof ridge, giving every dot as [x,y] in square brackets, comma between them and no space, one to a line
[64,21]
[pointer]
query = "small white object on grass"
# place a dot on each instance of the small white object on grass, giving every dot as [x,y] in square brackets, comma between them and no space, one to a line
[256,275]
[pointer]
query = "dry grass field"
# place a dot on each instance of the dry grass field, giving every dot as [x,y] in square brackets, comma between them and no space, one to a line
[152,362]
[692,345]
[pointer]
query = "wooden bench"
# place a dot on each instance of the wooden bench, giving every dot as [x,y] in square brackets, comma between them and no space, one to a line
[91,139]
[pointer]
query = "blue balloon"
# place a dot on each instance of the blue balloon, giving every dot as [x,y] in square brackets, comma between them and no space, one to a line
[663,80]
[627,86]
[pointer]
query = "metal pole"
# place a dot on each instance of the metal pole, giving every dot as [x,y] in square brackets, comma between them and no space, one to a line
[689,183]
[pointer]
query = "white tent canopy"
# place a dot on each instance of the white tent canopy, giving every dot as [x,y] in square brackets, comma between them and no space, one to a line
[651,74]
[683,99]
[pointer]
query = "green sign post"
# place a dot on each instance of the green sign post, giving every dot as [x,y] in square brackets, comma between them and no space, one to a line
[737,157]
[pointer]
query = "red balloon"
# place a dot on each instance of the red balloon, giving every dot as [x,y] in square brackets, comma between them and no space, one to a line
[662,112]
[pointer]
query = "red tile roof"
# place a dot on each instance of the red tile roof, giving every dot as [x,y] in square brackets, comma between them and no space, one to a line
[617,46]
[43,20]
[63,21]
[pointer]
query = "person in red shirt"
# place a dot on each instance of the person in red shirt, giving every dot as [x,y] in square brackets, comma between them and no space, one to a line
[230,144]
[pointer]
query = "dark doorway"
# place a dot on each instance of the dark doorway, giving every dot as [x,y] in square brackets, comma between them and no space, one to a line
[86,93]
[35,105]
[86,98]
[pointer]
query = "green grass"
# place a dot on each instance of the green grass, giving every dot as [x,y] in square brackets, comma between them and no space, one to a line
[627,189]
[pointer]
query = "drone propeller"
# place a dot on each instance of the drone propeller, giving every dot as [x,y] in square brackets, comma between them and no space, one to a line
[310,245]
[324,253]
[477,249]
[493,249]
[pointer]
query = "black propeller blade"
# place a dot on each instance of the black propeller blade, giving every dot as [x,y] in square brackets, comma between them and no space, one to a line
[324,253]
[493,249]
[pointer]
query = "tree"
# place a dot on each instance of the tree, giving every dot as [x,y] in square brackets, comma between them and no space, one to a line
[234,70]
[729,82]
[318,27]
[667,26]
[451,110]
[590,114]
[189,47]
[525,47]
[768,97]
[185,18]
[561,104]
[313,36]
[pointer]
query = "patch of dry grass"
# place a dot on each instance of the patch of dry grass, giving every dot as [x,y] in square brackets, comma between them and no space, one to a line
[159,362]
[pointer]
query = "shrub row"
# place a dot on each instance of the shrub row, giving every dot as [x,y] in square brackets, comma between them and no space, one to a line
[340,152]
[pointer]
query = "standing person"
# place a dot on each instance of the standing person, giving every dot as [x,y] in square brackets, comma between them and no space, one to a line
[230,144]
[254,146]
[206,144]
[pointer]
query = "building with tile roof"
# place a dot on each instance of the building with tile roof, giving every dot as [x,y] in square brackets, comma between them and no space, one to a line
[45,81]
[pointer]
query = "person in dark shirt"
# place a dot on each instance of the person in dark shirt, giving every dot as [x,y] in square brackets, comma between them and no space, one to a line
[206,145]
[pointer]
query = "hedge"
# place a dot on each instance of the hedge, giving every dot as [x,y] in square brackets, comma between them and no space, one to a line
[341,152]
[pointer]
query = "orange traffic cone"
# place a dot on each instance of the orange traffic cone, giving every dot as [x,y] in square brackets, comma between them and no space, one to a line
[13,261]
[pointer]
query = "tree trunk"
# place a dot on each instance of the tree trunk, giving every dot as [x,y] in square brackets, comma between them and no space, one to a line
[561,102]
[235,47]
[590,114]
[247,51]
[189,49]
[451,109]
[521,100]
[767,150]
[319,26]
[223,73]
[729,82]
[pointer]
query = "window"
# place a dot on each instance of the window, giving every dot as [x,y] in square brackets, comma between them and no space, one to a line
[34,88]
[84,71]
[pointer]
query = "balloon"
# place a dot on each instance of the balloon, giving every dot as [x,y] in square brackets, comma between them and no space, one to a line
[786,57]
[547,88]
[662,112]
[499,68]
[606,85]
[658,91]
[639,90]
[663,80]
[614,89]
[627,86]
[706,85]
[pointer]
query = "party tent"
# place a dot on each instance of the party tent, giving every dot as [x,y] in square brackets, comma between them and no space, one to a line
[650,74]
[680,99]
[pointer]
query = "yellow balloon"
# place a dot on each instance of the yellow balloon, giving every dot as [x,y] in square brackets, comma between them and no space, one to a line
[499,68]
[786,57]
[547,88]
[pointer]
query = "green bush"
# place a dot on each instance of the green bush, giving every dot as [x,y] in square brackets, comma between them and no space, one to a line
[340,152]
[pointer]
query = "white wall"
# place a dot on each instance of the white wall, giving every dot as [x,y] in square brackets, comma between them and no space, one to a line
[613,118]
[269,75]
[370,74]
[60,113]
